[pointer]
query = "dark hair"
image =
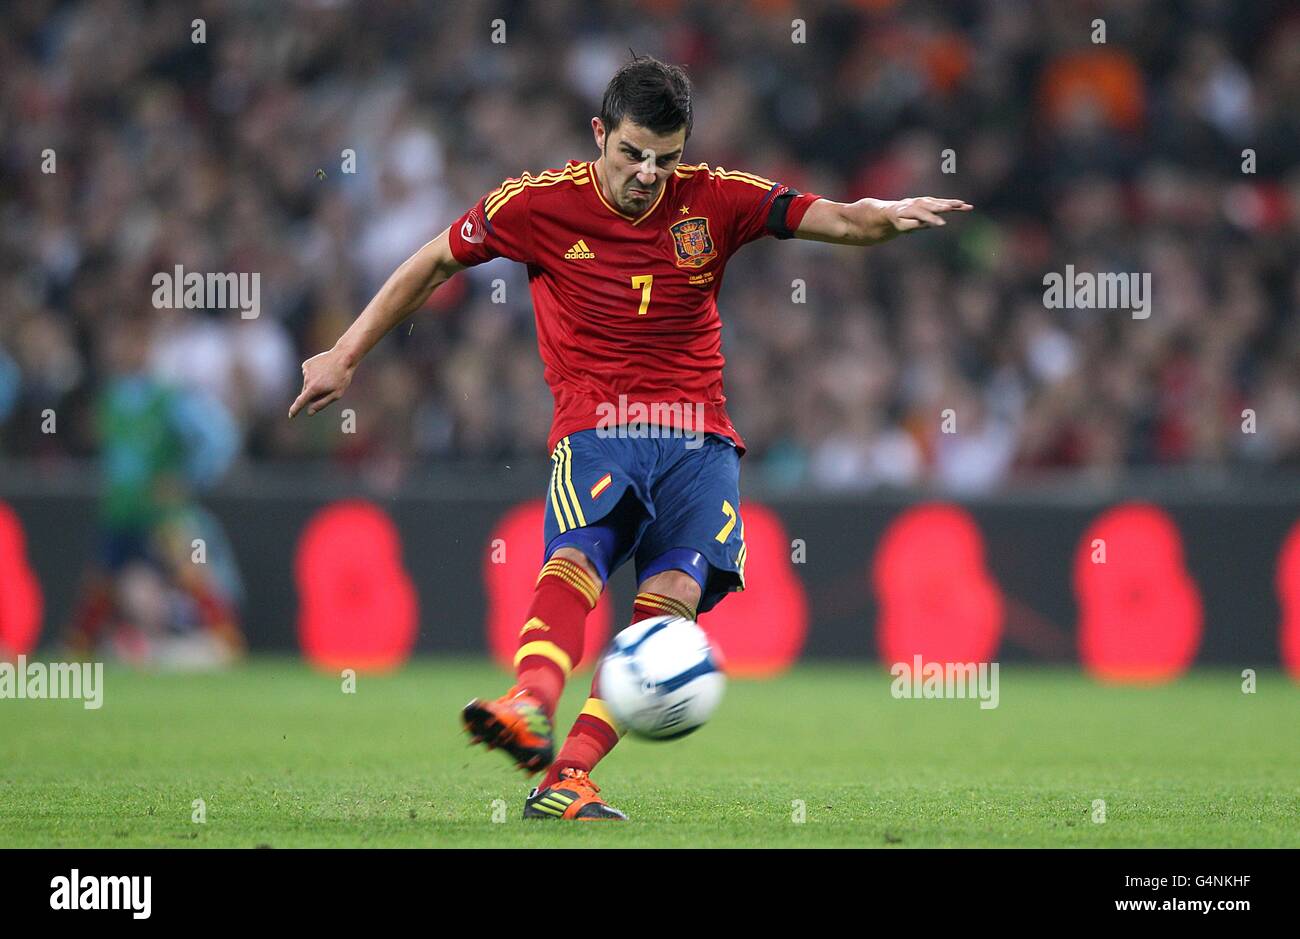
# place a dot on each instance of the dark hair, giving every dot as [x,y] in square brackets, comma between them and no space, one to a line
[650,93]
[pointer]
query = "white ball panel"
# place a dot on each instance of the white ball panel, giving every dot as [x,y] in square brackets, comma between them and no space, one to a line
[640,678]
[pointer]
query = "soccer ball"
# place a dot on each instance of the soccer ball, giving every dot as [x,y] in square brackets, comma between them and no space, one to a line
[660,678]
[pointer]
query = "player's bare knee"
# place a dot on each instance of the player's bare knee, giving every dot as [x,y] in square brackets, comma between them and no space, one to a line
[676,584]
[577,557]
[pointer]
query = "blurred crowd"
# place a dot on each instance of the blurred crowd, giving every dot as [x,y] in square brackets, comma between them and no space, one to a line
[1173,148]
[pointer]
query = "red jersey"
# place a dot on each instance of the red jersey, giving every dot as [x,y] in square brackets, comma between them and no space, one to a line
[626,306]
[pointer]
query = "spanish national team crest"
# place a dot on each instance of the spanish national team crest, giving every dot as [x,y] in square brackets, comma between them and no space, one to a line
[693,242]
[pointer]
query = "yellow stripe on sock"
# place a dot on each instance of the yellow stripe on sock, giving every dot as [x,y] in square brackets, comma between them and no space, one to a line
[570,571]
[547,650]
[667,604]
[573,575]
[596,708]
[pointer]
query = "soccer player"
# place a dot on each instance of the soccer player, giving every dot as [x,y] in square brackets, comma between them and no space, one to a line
[144,598]
[625,256]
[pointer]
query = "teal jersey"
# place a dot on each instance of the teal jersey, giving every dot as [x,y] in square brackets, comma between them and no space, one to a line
[157,443]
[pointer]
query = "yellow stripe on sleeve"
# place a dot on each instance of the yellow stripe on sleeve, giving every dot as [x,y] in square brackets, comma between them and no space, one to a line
[512,188]
[756,181]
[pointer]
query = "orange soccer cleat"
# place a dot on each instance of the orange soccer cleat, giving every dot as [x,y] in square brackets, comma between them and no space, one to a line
[515,722]
[573,798]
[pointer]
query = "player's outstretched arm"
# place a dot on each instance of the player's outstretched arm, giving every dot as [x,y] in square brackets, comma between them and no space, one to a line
[872,221]
[326,376]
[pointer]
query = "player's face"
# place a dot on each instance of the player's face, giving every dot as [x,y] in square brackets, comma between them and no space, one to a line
[636,163]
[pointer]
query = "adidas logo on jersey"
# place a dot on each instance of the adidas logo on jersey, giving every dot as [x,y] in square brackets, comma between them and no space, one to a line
[579,251]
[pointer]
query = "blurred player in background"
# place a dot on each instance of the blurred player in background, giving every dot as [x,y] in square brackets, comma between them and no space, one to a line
[625,256]
[154,596]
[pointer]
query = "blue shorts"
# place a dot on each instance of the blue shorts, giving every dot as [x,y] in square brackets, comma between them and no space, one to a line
[645,497]
[119,547]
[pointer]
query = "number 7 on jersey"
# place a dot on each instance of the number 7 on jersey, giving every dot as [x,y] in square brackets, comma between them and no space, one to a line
[645,282]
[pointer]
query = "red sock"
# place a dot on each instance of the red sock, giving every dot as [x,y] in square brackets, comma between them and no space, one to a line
[656,604]
[594,733]
[217,618]
[95,608]
[550,644]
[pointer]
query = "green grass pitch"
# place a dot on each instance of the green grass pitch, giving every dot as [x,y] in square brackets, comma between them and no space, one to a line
[282,757]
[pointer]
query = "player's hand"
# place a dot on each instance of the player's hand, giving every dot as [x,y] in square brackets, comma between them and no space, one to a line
[324,379]
[922,212]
